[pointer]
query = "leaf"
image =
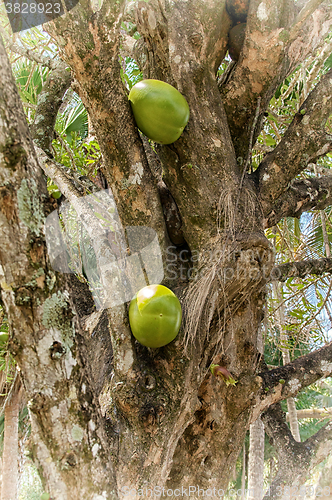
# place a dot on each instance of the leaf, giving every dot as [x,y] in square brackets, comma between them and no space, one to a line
[270,141]
[108,223]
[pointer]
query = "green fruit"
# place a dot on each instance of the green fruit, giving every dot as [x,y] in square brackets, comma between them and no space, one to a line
[45,496]
[56,194]
[155,316]
[160,111]
[54,191]
[4,338]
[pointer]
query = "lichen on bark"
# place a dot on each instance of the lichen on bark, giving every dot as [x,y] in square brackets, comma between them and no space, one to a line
[30,208]
[57,314]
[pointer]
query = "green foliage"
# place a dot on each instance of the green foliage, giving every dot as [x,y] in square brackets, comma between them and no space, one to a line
[311,397]
[224,65]
[30,79]
[288,99]
[30,76]
[4,324]
[269,457]
[314,236]
[73,121]
[81,156]
[306,302]
[130,72]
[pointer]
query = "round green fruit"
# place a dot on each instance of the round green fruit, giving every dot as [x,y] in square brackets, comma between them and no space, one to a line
[160,111]
[56,194]
[3,338]
[155,316]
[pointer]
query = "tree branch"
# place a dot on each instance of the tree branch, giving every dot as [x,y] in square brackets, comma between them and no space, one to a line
[307,10]
[264,65]
[48,104]
[106,100]
[89,213]
[300,196]
[30,54]
[115,285]
[295,459]
[301,269]
[111,12]
[274,419]
[204,167]
[317,413]
[286,381]
[67,183]
[303,142]
[289,379]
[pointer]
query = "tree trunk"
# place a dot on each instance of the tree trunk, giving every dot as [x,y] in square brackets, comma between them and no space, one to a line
[256,448]
[10,449]
[110,416]
[280,317]
[293,420]
[256,461]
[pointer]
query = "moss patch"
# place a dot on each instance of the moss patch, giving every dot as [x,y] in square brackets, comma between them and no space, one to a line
[30,209]
[57,314]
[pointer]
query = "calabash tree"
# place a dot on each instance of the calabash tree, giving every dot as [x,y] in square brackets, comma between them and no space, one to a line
[110,416]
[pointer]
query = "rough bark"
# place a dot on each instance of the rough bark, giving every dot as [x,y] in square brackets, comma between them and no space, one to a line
[295,459]
[285,381]
[9,468]
[308,141]
[325,481]
[188,191]
[93,58]
[48,104]
[256,461]
[276,41]
[300,196]
[69,441]
[301,269]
